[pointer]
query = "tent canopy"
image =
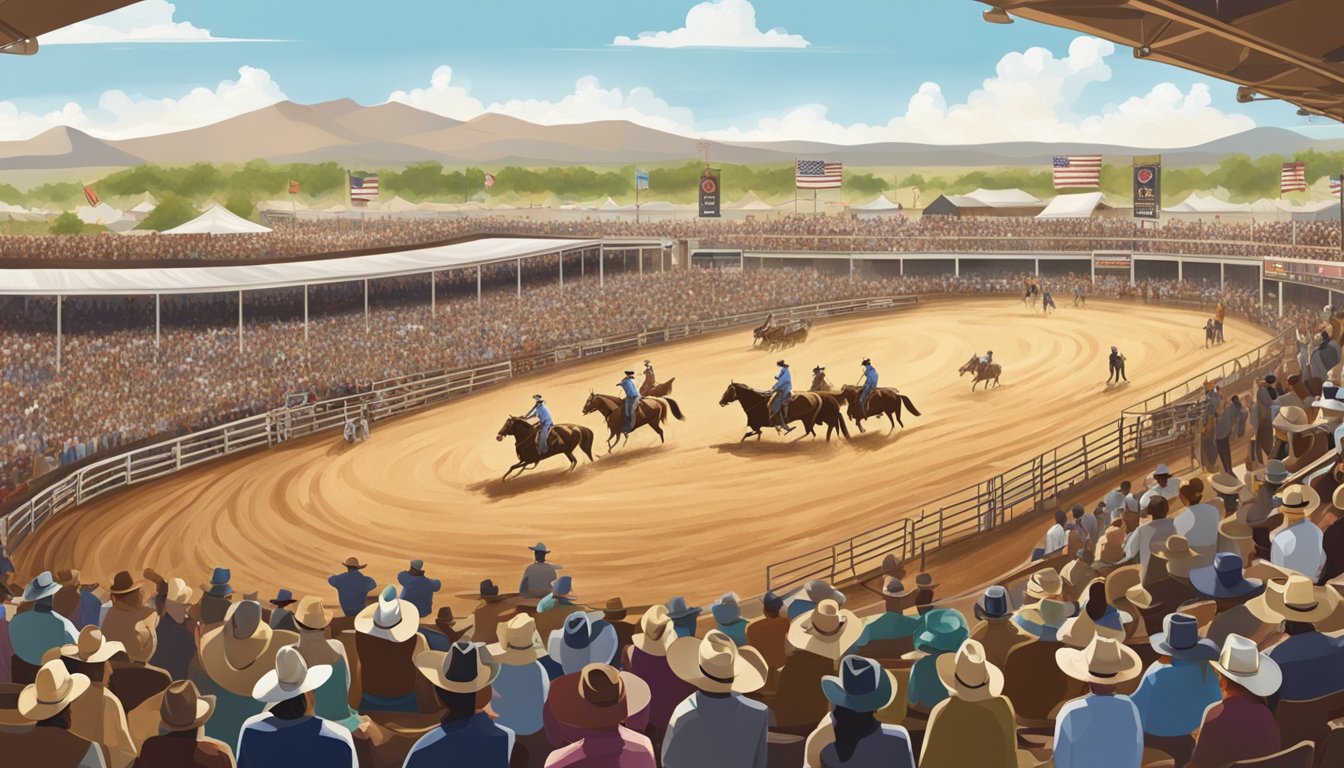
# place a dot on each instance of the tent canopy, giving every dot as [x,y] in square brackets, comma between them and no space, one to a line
[1074,206]
[879,203]
[217,220]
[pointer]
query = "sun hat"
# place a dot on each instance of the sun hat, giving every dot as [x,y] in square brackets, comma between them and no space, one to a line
[1180,639]
[968,673]
[1224,578]
[51,692]
[183,708]
[389,618]
[827,630]
[1104,661]
[1226,484]
[583,639]
[539,547]
[656,634]
[519,642]
[614,609]
[1295,598]
[282,598]
[1292,420]
[91,647]
[862,685]
[312,614]
[464,668]
[726,609]
[291,677]
[1044,583]
[42,586]
[1242,663]
[993,605]
[1179,557]
[598,697]
[1298,500]
[716,665]
[941,630]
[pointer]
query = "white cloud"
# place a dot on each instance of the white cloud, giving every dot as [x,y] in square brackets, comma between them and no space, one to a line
[148,21]
[720,24]
[442,97]
[119,115]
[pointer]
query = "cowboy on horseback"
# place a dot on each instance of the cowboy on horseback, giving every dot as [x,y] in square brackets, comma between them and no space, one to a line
[780,394]
[986,358]
[819,382]
[544,423]
[869,385]
[649,379]
[631,391]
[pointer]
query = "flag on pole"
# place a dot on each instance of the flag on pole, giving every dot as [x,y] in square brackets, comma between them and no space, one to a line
[818,174]
[1076,171]
[641,178]
[1293,178]
[293,187]
[1335,185]
[489,180]
[363,187]
[92,197]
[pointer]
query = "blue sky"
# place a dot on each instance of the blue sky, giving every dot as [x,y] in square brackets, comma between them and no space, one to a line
[847,71]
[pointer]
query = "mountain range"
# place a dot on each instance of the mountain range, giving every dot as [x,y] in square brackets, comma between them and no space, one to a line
[394,134]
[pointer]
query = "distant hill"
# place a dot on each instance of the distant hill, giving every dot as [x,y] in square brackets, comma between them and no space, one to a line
[394,134]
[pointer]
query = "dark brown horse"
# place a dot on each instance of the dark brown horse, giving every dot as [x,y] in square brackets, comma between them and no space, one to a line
[802,406]
[650,410]
[884,401]
[832,414]
[564,438]
[661,389]
[985,373]
[784,336]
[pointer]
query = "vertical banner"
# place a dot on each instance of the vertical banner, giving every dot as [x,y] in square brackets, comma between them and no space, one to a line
[641,179]
[709,193]
[1148,187]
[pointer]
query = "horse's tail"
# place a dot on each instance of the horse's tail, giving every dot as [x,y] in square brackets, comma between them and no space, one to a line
[586,441]
[910,406]
[676,409]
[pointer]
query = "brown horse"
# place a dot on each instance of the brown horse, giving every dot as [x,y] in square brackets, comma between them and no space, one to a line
[661,389]
[564,438]
[651,411]
[985,373]
[784,336]
[832,415]
[884,401]
[802,406]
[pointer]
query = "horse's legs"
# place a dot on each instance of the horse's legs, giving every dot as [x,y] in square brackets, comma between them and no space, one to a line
[573,462]
[522,464]
[892,422]
[659,430]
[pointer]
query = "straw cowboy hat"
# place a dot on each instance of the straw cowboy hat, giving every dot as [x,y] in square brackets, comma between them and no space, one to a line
[236,654]
[312,614]
[827,630]
[862,685]
[1298,500]
[353,562]
[42,586]
[1104,662]
[656,634]
[1295,598]
[1242,663]
[179,592]
[389,618]
[584,639]
[715,664]
[598,697]
[968,674]
[52,691]
[291,677]
[183,708]
[464,668]
[1178,555]
[1044,583]
[519,642]
[91,647]
[1292,420]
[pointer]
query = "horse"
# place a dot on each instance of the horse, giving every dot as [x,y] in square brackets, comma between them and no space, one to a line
[831,415]
[564,438]
[661,389]
[802,406]
[758,333]
[985,373]
[884,400]
[1029,295]
[651,411]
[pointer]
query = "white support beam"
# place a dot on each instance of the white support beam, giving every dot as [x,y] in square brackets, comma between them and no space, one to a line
[305,314]
[366,306]
[520,278]
[59,301]
[156,320]
[433,294]
[478,283]
[602,265]
[562,271]
[240,321]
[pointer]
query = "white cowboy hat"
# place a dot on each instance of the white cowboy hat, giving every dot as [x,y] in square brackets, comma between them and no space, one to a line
[51,692]
[968,674]
[519,642]
[1104,661]
[291,677]
[1295,598]
[1044,583]
[1298,500]
[1292,420]
[827,630]
[584,639]
[389,618]
[1242,663]
[715,664]
[91,647]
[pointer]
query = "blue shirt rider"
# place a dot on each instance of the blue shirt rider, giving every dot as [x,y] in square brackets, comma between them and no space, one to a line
[783,390]
[544,421]
[631,399]
[986,358]
[869,385]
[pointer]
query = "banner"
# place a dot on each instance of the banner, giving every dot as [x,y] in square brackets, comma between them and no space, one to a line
[641,178]
[709,193]
[1148,187]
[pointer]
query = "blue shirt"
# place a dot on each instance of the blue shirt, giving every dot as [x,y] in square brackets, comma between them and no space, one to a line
[870,376]
[798,608]
[1312,666]
[886,747]
[35,632]
[1172,697]
[418,591]
[629,386]
[269,742]
[1099,732]
[519,696]
[477,742]
[717,732]
[783,381]
[90,609]
[352,589]
[542,413]
[737,631]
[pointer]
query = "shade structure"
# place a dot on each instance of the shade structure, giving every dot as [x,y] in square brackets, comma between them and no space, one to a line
[1080,206]
[217,220]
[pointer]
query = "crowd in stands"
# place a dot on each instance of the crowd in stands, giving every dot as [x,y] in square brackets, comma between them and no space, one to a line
[1310,240]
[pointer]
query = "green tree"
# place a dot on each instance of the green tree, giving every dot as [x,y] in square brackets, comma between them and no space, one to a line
[171,211]
[240,204]
[67,224]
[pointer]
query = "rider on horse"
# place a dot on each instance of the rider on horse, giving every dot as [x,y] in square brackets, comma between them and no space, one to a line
[631,391]
[986,358]
[819,382]
[869,385]
[544,423]
[782,391]
[649,379]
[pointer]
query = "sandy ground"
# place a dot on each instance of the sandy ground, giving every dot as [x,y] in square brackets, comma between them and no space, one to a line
[700,515]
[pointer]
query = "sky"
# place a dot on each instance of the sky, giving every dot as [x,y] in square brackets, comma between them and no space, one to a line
[845,71]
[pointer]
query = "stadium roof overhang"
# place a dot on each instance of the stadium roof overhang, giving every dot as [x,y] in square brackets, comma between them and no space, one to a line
[21,21]
[124,281]
[1274,49]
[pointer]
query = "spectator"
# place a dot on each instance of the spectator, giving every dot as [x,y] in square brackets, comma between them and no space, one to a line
[561,595]
[288,733]
[1096,617]
[819,638]
[1332,540]
[996,633]
[489,611]
[215,597]
[98,715]
[1078,574]
[281,616]
[1102,729]
[975,704]
[598,700]
[584,639]
[34,632]
[684,617]
[1311,662]
[1115,500]
[1149,535]
[1178,687]
[717,726]
[447,630]
[178,633]
[1299,545]
[233,658]
[352,587]
[181,743]
[46,740]
[616,615]
[1085,525]
[647,657]
[769,633]
[1058,536]
[892,624]
[387,643]
[851,735]
[1240,727]
[814,591]
[467,736]
[1198,522]
[728,618]
[331,700]
[1231,422]
[943,632]
[522,685]
[128,609]
[540,575]
[418,589]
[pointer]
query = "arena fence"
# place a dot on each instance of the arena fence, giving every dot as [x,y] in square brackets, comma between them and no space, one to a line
[1160,423]
[383,399]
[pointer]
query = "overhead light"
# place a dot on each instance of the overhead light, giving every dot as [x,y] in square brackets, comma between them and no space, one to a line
[1245,94]
[996,16]
[24,47]
[1143,52]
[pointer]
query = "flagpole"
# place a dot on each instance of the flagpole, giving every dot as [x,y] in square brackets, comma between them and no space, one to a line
[795,186]
[1341,211]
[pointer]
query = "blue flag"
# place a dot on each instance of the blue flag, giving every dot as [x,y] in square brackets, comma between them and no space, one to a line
[641,178]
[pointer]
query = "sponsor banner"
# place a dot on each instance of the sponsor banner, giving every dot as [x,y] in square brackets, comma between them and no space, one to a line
[1112,262]
[709,193]
[1147,189]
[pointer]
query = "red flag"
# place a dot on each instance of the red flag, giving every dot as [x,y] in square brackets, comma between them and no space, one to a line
[92,197]
[293,187]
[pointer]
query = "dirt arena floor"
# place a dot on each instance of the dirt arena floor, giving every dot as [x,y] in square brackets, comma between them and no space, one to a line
[700,515]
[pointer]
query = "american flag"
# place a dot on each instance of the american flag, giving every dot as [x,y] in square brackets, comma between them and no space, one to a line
[1293,178]
[363,187]
[1334,185]
[1077,171]
[818,174]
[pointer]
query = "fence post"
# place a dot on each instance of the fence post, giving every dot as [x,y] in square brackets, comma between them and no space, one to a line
[1087,466]
[128,469]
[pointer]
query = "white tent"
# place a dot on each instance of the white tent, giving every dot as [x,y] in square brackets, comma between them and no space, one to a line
[19,213]
[99,214]
[217,220]
[1005,198]
[1197,203]
[879,204]
[399,204]
[1081,206]
[609,205]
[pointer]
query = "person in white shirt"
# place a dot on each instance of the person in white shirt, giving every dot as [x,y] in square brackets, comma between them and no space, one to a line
[1058,536]
[1115,500]
[1152,533]
[1164,485]
[1198,522]
[1299,545]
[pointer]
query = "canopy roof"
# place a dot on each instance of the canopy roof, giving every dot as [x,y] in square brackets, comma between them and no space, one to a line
[217,220]
[125,281]
[1074,206]
[879,203]
[22,20]
[101,213]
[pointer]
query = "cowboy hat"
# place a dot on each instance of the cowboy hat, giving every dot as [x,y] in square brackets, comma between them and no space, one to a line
[1242,663]
[51,692]
[1224,578]
[218,585]
[353,562]
[1292,420]
[894,588]
[678,609]
[925,581]
[311,614]
[656,634]
[1298,500]
[629,373]
[1175,549]
[183,708]
[487,589]
[1234,528]
[781,364]
[1180,639]
[1226,484]
[614,609]
[123,584]
[91,647]
[597,697]
[1104,662]
[941,630]
[1139,596]
[726,610]
[993,605]
[1048,613]
[417,566]
[866,361]
[236,654]
[968,674]
[716,665]
[1162,471]
[282,598]
[464,668]
[42,586]
[819,369]
[827,630]
[539,547]
[389,618]
[537,398]
[862,685]
[583,639]
[818,590]
[291,677]
[1275,472]
[179,592]
[1044,583]
[519,642]
[1295,598]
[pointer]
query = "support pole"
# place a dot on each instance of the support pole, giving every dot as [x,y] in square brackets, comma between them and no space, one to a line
[641,261]
[1180,271]
[1131,270]
[433,294]
[1280,291]
[851,268]
[240,321]
[562,271]
[366,306]
[305,314]
[956,267]
[59,302]
[520,278]
[602,265]
[478,283]
[1037,267]
[1222,276]
[156,321]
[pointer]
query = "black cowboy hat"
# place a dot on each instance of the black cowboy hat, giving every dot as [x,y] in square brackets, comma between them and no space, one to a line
[781,364]
[629,373]
[819,369]
[866,361]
